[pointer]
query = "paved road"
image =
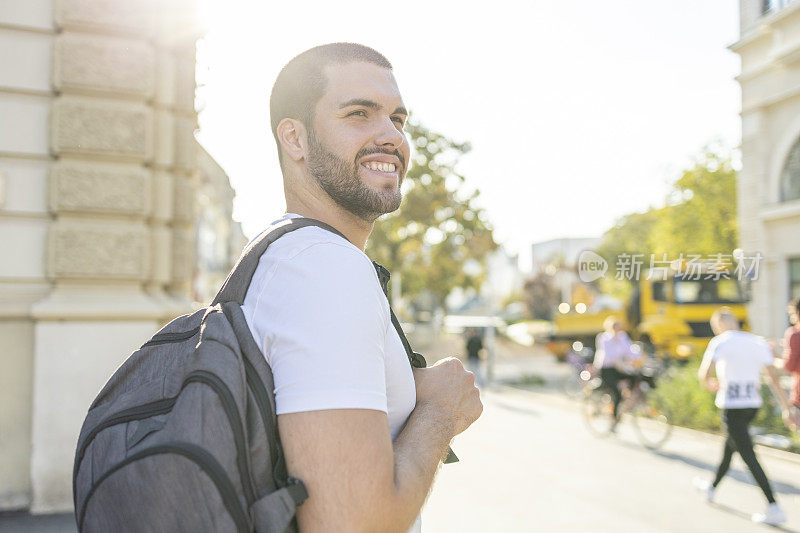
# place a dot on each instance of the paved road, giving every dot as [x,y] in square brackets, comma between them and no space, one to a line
[529,464]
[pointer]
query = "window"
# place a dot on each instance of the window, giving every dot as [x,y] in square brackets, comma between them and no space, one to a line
[790,177]
[706,291]
[773,5]
[794,278]
[659,291]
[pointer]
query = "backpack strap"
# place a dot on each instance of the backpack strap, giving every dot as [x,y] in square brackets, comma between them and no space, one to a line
[238,281]
[416,359]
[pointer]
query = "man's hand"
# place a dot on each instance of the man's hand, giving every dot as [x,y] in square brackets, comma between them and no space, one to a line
[447,392]
[711,384]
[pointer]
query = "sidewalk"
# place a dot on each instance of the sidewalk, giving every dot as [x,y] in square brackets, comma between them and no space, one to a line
[22,522]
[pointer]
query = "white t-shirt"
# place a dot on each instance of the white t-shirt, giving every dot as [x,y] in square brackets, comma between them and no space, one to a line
[738,357]
[317,311]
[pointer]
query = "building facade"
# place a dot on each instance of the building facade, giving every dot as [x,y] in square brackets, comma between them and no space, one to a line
[98,179]
[220,239]
[769,182]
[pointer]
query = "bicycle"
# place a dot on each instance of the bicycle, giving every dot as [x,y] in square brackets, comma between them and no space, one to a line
[651,417]
[578,358]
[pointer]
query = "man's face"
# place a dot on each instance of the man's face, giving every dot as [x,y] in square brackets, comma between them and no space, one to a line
[358,152]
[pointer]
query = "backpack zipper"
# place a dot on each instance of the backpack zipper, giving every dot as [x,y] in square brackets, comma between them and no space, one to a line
[139,412]
[260,394]
[232,411]
[200,457]
[165,338]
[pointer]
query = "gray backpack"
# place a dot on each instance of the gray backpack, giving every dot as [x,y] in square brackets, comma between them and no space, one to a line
[183,437]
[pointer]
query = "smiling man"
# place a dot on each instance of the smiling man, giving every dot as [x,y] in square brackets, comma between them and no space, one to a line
[362,430]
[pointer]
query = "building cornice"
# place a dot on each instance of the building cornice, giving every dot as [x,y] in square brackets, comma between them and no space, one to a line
[780,210]
[764,26]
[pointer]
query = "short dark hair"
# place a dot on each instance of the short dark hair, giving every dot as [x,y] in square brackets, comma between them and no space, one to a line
[301,82]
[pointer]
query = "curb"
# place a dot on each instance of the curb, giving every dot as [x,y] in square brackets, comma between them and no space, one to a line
[559,401]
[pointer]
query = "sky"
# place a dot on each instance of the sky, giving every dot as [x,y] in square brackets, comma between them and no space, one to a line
[577,112]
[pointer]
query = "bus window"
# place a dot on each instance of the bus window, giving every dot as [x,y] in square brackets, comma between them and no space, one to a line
[659,291]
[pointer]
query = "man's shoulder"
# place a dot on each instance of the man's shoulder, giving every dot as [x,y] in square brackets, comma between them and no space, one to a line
[299,241]
[316,262]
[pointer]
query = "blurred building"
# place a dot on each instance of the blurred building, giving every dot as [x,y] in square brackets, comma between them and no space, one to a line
[219,238]
[99,227]
[558,258]
[564,251]
[503,276]
[769,182]
[502,280]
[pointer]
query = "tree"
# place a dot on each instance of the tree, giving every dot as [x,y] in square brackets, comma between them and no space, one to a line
[542,296]
[632,234]
[439,238]
[699,218]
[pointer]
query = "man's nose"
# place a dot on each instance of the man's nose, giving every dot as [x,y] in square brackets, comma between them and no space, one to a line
[389,135]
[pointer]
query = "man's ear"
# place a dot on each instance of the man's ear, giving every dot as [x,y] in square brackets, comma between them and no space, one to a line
[293,138]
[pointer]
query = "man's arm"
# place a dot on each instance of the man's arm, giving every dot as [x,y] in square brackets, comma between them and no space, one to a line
[357,479]
[599,352]
[773,381]
[706,372]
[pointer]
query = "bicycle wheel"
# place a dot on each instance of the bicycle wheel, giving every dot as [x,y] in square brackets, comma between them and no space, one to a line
[652,421]
[598,413]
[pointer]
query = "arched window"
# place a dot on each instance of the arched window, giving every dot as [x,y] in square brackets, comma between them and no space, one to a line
[790,177]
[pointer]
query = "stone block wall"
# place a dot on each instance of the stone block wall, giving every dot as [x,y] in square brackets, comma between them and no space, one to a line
[97,214]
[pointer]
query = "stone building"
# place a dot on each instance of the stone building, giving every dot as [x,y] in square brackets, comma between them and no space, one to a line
[97,214]
[769,183]
[220,240]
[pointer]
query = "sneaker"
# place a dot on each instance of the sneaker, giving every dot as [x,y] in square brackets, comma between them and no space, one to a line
[704,486]
[773,516]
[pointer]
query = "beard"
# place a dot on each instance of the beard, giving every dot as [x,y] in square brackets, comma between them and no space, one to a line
[339,179]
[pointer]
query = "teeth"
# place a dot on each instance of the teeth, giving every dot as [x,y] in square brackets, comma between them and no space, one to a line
[382,167]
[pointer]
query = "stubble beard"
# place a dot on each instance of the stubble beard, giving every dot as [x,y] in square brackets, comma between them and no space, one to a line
[339,179]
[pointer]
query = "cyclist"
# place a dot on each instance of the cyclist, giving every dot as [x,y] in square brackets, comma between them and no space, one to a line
[613,356]
[737,357]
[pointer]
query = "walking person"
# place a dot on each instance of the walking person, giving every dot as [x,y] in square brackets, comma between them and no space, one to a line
[359,427]
[791,361]
[474,347]
[731,368]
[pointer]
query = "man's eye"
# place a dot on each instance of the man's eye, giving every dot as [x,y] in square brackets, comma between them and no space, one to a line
[399,120]
[357,112]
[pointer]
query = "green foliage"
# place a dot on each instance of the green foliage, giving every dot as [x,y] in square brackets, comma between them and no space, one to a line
[769,416]
[527,380]
[632,234]
[699,218]
[438,230]
[693,406]
[702,218]
[690,404]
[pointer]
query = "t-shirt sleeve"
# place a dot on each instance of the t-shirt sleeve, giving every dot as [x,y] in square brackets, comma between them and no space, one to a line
[710,354]
[324,318]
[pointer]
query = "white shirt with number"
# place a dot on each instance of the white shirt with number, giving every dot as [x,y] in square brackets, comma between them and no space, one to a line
[317,311]
[738,357]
